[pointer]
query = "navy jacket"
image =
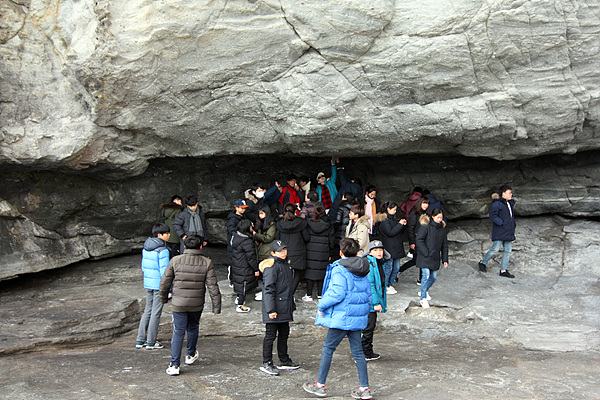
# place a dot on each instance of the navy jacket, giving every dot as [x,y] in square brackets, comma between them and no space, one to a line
[277,286]
[504,224]
[432,244]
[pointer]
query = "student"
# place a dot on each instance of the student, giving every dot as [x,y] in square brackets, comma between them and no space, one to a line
[308,209]
[191,221]
[244,264]
[266,231]
[326,187]
[277,308]
[344,309]
[190,274]
[319,251]
[292,193]
[291,230]
[155,259]
[353,186]
[258,197]
[420,208]
[341,220]
[433,248]
[233,220]
[170,211]
[358,228]
[390,230]
[371,206]
[377,257]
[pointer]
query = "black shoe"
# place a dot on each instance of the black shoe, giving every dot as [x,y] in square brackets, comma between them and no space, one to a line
[269,368]
[289,364]
[506,274]
[482,267]
[372,357]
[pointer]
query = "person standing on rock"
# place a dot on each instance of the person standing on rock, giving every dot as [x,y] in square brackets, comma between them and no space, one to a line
[503,229]
[191,221]
[170,211]
[190,274]
[432,246]
[155,259]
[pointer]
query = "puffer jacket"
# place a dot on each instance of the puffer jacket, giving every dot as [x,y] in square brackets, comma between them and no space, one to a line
[377,280]
[346,299]
[181,223]
[504,223]
[360,232]
[233,220]
[293,233]
[155,259]
[432,245]
[170,211]
[412,226]
[277,286]
[342,220]
[390,231]
[190,274]
[244,263]
[264,238]
[319,248]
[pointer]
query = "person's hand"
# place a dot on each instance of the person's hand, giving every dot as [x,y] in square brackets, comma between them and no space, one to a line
[403,221]
[320,313]
[184,237]
[257,273]
[273,315]
[412,246]
[378,308]
[445,265]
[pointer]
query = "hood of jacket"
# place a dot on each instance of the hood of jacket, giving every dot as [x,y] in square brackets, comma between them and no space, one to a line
[318,227]
[414,196]
[173,206]
[365,220]
[425,220]
[269,262]
[496,197]
[293,226]
[359,266]
[153,243]
[379,217]
[248,194]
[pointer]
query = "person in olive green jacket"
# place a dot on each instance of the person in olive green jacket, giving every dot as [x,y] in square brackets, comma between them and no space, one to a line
[265,233]
[170,211]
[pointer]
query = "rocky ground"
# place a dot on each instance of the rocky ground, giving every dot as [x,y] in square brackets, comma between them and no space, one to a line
[69,334]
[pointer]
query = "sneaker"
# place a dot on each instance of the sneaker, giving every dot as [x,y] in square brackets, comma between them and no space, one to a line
[289,364]
[318,297]
[418,282]
[362,394]
[242,309]
[424,303]
[482,267]
[258,296]
[506,274]
[372,357]
[428,296]
[154,346]
[173,370]
[139,345]
[269,368]
[189,360]
[391,290]
[312,388]
[307,298]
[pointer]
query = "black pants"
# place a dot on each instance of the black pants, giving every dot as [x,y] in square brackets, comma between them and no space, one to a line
[367,334]
[296,276]
[411,263]
[309,287]
[283,328]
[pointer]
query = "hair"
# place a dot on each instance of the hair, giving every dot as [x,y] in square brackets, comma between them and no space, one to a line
[504,188]
[417,207]
[349,247]
[370,188]
[193,242]
[436,211]
[261,224]
[418,189]
[425,192]
[313,196]
[244,226]
[387,205]
[304,178]
[191,200]
[257,186]
[356,209]
[160,229]
[291,177]
[289,212]
[176,197]
[319,211]
[350,199]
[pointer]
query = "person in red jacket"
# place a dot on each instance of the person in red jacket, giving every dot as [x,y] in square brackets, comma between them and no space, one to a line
[292,193]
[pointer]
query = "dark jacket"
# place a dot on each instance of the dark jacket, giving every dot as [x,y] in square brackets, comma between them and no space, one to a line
[181,224]
[232,222]
[390,231]
[255,204]
[264,239]
[170,211]
[504,224]
[412,227]
[432,245]
[346,185]
[277,286]
[244,263]
[190,274]
[341,220]
[308,210]
[293,233]
[319,248]
[435,203]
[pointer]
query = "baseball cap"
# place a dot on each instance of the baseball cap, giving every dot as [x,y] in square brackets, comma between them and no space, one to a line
[240,203]
[277,246]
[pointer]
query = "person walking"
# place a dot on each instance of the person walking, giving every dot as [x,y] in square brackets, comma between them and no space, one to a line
[390,230]
[432,246]
[412,227]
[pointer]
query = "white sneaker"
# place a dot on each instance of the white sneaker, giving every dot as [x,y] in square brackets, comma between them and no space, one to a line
[258,296]
[428,296]
[173,370]
[424,303]
[391,290]
[189,360]
[242,309]
[307,298]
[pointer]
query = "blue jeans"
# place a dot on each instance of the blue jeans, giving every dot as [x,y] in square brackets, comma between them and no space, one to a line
[507,245]
[333,339]
[427,281]
[148,328]
[184,322]
[391,268]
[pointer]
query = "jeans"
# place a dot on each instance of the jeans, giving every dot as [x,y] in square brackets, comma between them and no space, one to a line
[184,322]
[367,334]
[427,281]
[391,268]
[333,339]
[271,331]
[507,245]
[148,328]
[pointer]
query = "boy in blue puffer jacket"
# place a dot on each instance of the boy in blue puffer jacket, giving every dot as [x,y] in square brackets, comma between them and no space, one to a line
[377,256]
[155,259]
[344,309]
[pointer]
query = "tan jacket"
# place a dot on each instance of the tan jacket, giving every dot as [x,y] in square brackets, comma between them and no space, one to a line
[360,233]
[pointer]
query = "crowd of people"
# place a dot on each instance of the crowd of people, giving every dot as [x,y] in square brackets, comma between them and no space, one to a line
[335,235]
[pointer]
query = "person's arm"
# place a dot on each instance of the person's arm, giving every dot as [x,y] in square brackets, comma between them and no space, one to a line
[204,228]
[495,214]
[213,288]
[268,236]
[251,255]
[178,225]
[336,292]
[165,283]
[270,289]
[445,250]
[163,261]
[421,241]
[272,195]
[412,227]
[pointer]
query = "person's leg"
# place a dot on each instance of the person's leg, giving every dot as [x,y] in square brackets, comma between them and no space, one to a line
[192,328]
[145,320]
[410,263]
[332,340]
[320,287]
[395,267]
[359,357]
[367,334]
[309,287]
[283,330]
[296,275]
[425,282]
[179,325]
[507,244]
[387,269]
[491,252]
[270,334]
[157,307]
